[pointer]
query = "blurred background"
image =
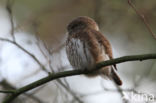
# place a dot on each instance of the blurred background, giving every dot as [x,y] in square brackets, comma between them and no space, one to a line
[39,27]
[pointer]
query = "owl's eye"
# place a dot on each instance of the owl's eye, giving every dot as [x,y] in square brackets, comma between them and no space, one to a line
[74,26]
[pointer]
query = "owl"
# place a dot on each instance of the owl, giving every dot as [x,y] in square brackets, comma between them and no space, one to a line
[86,46]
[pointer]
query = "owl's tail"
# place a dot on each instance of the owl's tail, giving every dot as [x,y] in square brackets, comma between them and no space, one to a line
[110,73]
[115,77]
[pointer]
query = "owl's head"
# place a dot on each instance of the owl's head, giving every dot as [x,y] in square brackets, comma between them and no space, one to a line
[81,23]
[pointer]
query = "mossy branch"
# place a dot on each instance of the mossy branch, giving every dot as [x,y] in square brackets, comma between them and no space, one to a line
[54,76]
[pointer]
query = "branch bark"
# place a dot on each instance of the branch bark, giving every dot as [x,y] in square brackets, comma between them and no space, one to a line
[6,91]
[54,76]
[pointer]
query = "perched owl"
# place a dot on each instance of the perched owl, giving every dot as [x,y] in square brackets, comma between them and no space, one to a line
[86,46]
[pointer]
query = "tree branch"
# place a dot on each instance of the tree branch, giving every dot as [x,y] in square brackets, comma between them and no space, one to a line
[9,9]
[26,51]
[11,89]
[142,18]
[7,91]
[54,76]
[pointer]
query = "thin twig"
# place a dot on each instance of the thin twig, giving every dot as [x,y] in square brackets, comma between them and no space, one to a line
[118,89]
[58,48]
[66,87]
[70,91]
[127,90]
[12,89]
[47,57]
[27,52]
[142,18]
[9,9]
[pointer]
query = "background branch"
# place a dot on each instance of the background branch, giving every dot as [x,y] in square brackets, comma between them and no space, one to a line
[7,86]
[47,57]
[9,9]
[27,52]
[142,18]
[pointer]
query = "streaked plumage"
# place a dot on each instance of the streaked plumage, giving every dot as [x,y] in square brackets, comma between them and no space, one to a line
[86,46]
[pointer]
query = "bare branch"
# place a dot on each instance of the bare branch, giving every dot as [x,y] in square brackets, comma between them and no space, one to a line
[47,57]
[7,91]
[119,90]
[27,52]
[142,18]
[55,76]
[9,9]
[121,93]
[11,89]
[70,91]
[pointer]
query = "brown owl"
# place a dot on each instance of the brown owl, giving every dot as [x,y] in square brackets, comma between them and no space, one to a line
[86,46]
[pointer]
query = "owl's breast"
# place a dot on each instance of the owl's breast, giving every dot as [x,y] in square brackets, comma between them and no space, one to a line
[78,54]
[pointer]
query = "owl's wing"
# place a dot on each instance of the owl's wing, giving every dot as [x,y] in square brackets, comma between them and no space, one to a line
[102,40]
[89,41]
[92,40]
